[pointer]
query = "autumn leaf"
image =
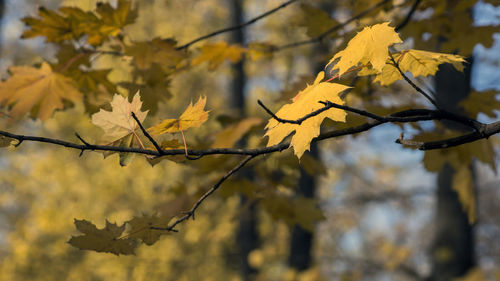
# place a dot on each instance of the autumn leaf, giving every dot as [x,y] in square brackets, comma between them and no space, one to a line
[59,26]
[419,63]
[482,102]
[119,123]
[140,227]
[193,116]
[119,126]
[102,240]
[217,53]
[463,184]
[316,21]
[39,90]
[159,51]
[71,23]
[304,103]
[368,46]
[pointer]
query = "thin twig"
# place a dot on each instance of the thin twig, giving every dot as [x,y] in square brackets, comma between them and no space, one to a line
[323,35]
[236,27]
[150,138]
[414,86]
[407,19]
[190,214]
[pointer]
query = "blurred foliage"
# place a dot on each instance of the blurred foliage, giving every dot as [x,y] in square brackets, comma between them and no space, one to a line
[120,47]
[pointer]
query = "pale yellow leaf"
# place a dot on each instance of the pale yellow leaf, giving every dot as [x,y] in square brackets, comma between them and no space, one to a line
[119,122]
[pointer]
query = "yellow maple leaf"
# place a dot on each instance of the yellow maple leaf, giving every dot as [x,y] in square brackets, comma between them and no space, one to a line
[371,45]
[304,103]
[217,53]
[39,90]
[193,116]
[419,63]
[119,123]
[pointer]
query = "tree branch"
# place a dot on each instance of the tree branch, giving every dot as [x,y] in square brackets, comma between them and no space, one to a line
[322,36]
[150,138]
[190,214]
[236,27]
[407,19]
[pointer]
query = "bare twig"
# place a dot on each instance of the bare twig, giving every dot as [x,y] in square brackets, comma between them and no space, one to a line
[150,138]
[323,35]
[407,19]
[190,214]
[236,27]
[414,86]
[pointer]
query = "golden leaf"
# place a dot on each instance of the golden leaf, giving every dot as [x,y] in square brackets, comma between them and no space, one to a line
[419,63]
[304,103]
[193,116]
[40,91]
[369,46]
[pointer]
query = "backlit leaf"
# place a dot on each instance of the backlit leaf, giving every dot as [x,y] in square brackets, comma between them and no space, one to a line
[193,116]
[419,63]
[371,45]
[39,90]
[304,103]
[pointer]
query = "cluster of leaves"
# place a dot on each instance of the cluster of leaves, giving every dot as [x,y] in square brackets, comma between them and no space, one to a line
[84,35]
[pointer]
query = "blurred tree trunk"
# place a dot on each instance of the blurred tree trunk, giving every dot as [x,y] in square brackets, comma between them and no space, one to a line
[453,248]
[302,240]
[246,237]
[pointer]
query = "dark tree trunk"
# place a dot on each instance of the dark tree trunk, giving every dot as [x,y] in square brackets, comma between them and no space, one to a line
[453,249]
[247,238]
[302,240]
